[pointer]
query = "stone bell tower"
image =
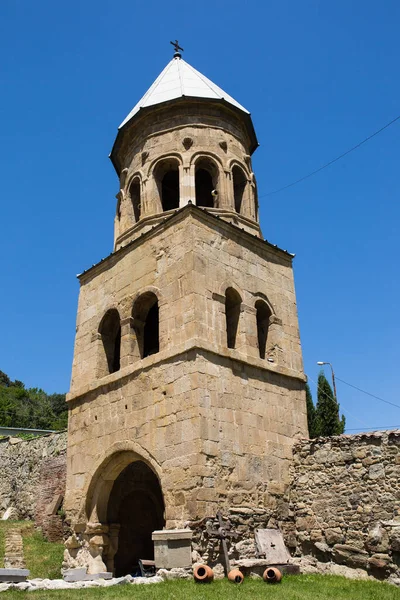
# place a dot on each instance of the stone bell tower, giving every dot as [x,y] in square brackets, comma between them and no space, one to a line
[187,386]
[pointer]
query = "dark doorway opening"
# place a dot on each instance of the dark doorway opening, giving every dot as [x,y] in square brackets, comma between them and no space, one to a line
[136,505]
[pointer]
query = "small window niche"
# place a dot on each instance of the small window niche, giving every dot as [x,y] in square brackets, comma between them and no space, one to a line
[263,313]
[146,324]
[232,314]
[110,332]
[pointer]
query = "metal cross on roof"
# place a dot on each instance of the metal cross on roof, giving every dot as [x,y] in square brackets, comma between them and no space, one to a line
[177,47]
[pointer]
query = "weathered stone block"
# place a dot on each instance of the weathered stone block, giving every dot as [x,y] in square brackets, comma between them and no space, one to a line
[172,548]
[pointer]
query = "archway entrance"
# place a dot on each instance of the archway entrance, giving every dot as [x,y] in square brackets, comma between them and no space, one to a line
[136,505]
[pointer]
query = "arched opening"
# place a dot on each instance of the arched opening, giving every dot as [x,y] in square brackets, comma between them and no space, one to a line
[134,192]
[239,186]
[206,182]
[263,314]
[146,323]
[110,331]
[135,509]
[167,179]
[232,314]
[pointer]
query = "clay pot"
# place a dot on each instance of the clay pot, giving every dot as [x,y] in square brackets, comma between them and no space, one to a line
[203,574]
[235,576]
[272,575]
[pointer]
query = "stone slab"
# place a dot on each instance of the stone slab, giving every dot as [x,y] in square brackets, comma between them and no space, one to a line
[270,544]
[13,575]
[55,505]
[172,534]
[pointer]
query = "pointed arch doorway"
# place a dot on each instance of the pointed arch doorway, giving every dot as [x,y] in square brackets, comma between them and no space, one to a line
[126,496]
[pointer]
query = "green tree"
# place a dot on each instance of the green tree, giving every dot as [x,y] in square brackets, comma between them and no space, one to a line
[327,419]
[30,408]
[310,413]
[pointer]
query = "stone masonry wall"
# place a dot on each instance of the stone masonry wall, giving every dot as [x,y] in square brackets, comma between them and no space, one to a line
[32,474]
[345,501]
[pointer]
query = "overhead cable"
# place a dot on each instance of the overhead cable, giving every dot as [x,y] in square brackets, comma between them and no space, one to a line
[285,187]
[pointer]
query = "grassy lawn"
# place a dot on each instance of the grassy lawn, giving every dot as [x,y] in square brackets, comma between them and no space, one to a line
[302,587]
[42,558]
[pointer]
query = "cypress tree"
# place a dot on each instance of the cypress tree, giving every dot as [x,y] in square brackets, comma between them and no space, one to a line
[310,413]
[327,420]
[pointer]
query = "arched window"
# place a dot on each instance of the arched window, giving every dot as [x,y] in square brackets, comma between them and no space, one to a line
[134,192]
[206,181]
[167,179]
[263,314]
[110,331]
[146,324]
[239,186]
[232,313]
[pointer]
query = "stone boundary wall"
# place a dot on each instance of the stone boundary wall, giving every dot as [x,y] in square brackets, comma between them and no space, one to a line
[32,475]
[344,501]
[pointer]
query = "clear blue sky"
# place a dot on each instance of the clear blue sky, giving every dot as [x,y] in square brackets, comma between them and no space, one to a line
[317,76]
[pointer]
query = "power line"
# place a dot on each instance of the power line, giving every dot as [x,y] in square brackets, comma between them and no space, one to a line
[367,393]
[285,187]
[376,428]
[335,400]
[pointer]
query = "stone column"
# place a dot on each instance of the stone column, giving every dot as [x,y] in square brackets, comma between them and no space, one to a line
[128,342]
[112,548]
[274,349]
[98,540]
[249,316]
[186,184]
[226,199]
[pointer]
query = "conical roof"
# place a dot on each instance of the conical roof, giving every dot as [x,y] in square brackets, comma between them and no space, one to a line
[177,80]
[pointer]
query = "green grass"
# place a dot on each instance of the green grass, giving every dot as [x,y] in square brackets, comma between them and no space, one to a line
[302,587]
[42,558]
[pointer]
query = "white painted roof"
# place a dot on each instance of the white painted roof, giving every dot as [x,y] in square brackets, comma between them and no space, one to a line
[180,79]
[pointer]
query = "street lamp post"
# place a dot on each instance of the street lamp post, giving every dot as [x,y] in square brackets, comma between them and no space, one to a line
[320,362]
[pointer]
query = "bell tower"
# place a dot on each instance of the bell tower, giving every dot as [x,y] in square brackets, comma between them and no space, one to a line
[187,387]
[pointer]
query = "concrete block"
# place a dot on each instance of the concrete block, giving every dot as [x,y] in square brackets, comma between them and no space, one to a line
[13,575]
[172,548]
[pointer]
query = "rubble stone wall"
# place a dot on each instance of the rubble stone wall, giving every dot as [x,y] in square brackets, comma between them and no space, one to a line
[345,501]
[32,474]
